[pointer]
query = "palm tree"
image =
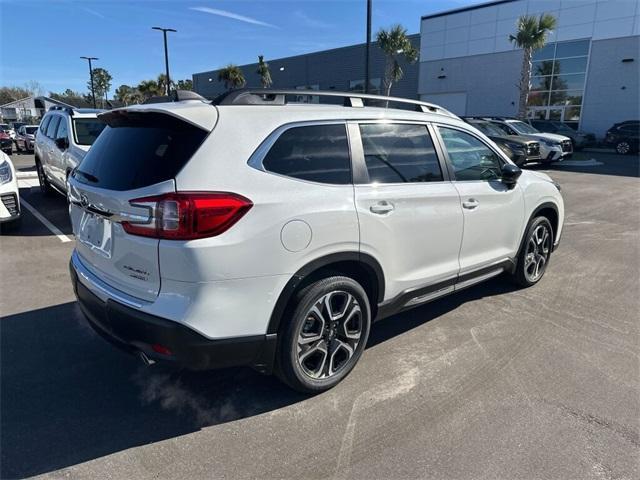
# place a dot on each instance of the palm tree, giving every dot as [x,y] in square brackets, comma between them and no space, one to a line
[531,35]
[150,88]
[395,44]
[232,77]
[162,83]
[263,71]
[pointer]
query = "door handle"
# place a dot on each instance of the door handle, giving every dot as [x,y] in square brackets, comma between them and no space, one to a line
[382,207]
[470,204]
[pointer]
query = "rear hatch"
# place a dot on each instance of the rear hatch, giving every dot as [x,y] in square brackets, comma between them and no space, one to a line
[137,155]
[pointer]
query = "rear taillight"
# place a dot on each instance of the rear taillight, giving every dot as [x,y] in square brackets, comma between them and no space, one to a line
[189,215]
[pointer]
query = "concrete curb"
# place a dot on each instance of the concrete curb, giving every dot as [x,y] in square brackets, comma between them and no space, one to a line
[25,175]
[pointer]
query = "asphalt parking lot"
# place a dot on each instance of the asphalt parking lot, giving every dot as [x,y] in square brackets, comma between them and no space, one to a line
[493,382]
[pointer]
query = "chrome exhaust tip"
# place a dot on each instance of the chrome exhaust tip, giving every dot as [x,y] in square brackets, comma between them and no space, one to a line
[146,360]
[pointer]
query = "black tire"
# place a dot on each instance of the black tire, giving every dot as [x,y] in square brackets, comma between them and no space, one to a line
[527,274]
[623,147]
[45,186]
[327,346]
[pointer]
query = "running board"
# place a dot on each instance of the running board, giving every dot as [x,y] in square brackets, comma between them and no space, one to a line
[481,278]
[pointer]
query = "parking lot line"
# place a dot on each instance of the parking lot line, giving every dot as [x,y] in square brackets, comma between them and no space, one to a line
[61,236]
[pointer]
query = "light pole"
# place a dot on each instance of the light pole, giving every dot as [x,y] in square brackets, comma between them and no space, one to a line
[166,54]
[366,61]
[93,94]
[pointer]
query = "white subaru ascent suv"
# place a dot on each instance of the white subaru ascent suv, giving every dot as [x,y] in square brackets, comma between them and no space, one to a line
[253,231]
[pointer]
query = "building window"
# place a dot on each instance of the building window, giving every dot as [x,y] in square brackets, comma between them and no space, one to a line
[558,78]
[358,86]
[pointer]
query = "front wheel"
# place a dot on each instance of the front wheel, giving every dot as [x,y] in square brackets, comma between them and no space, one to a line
[535,253]
[623,147]
[45,186]
[325,336]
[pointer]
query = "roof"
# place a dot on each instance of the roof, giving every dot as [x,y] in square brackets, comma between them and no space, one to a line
[467,9]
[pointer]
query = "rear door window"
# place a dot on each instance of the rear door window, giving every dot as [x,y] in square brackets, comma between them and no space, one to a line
[399,153]
[63,131]
[136,150]
[316,153]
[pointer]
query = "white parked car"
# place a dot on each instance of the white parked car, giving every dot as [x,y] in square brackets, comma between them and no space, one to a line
[250,231]
[62,140]
[9,194]
[553,147]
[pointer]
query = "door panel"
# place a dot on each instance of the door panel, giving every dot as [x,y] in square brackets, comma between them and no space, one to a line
[409,213]
[493,217]
[493,213]
[418,239]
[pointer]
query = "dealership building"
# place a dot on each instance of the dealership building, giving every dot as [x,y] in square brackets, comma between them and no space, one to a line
[587,74]
[340,69]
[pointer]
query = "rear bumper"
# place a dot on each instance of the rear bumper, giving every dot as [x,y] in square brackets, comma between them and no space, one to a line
[136,332]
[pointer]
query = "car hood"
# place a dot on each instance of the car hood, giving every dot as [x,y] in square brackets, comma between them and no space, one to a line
[514,139]
[548,136]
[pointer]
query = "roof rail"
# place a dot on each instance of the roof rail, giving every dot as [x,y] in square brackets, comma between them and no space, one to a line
[265,96]
[69,110]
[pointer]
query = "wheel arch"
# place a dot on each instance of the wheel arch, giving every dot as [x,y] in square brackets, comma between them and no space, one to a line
[360,266]
[545,209]
[550,211]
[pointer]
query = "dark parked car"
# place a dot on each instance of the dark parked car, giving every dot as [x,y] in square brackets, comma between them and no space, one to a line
[519,149]
[624,137]
[579,138]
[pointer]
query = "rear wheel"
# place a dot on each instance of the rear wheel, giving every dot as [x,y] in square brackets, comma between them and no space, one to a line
[325,336]
[535,253]
[45,186]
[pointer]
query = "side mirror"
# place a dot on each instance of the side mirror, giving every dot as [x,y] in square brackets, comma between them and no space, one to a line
[62,143]
[510,174]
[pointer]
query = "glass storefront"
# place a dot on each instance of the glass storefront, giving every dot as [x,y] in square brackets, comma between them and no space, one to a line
[557,81]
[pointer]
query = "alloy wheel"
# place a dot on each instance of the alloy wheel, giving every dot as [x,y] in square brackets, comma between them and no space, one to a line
[537,255]
[330,335]
[623,148]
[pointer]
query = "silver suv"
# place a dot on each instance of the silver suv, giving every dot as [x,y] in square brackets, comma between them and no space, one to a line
[62,141]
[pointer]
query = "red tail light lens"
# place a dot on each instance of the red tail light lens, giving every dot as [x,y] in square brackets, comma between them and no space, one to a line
[189,215]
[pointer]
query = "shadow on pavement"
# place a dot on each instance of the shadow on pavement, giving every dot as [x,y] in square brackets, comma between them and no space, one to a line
[52,207]
[68,397]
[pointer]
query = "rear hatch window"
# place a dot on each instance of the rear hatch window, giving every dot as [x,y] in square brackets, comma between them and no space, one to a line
[137,149]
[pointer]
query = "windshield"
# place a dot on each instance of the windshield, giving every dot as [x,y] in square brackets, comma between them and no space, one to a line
[488,129]
[86,130]
[522,127]
[31,130]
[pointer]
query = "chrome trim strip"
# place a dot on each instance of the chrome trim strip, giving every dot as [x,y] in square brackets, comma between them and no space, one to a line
[429,296]
[481,278]
[101,289]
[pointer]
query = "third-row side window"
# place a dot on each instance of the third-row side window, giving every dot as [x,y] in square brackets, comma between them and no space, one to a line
[399,153]
[317,153]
